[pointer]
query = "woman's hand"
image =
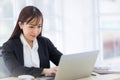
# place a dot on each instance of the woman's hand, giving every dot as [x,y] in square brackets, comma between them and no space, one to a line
[50,71]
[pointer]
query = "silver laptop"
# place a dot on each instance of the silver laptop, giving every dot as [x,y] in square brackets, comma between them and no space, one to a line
[76,66]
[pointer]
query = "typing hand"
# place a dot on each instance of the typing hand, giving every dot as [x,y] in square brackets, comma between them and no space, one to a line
[50,71]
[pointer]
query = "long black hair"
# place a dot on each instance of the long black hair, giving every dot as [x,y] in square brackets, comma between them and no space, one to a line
[27,14]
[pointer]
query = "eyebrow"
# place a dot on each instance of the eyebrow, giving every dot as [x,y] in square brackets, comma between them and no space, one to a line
[35,24]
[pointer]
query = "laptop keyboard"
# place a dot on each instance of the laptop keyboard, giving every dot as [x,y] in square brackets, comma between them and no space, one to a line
[46,78]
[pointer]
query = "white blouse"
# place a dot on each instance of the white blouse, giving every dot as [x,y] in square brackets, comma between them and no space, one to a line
[31,57]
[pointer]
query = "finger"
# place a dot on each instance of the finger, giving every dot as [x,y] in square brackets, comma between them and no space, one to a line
[55,68]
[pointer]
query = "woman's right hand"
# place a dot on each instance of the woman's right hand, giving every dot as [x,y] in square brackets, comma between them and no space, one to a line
[50,71]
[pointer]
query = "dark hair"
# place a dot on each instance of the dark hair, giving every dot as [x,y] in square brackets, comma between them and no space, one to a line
[27,14]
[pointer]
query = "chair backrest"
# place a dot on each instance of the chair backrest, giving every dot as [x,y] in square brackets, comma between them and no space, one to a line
[3,69]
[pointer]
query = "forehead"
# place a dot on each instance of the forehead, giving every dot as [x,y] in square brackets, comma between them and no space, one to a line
[36,21]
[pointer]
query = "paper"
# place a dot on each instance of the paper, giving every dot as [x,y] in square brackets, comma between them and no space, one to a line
[107,69]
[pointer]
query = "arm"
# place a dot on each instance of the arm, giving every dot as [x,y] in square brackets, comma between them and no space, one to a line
[54,54]
[14,65]
[51,53]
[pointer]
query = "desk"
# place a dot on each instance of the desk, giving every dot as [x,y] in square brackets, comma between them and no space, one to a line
[103,77]
[98,77]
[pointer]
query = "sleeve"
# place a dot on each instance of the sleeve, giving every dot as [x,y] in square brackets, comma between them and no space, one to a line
[14,65]
[55,54]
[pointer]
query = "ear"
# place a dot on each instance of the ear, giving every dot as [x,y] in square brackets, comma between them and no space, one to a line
[20,25]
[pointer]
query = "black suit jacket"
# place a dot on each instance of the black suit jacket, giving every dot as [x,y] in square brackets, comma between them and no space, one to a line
[13,56]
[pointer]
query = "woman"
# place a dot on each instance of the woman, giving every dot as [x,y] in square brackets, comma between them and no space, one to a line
[27,52]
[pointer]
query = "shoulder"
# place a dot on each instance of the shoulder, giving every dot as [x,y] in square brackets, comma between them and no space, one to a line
[11,43]
[43,39]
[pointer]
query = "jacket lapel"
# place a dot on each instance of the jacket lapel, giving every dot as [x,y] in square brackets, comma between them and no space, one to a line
[19,51]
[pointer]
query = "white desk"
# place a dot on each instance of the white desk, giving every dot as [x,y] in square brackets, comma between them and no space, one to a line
[98,77]
[103,77]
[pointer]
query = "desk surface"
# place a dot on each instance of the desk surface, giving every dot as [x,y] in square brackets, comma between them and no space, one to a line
[103,77]
[98,77]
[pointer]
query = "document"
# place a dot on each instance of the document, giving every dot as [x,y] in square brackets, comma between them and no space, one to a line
[106,69]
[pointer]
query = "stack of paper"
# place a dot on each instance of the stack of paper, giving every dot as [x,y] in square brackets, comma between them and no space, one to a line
[107,70]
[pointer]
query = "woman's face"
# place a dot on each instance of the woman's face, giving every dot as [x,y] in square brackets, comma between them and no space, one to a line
[32,29]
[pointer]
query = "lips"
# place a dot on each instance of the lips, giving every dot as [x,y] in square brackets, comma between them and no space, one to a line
[33,36]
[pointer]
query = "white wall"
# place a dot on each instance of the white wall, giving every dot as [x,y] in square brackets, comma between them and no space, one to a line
[79,26]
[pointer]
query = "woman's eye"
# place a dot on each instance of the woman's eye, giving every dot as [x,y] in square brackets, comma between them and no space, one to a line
[31,27]
[39,26]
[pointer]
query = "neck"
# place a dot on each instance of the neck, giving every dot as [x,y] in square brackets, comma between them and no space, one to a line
[30,43]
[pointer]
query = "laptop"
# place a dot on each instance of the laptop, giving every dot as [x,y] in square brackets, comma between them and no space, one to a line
[75,66]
